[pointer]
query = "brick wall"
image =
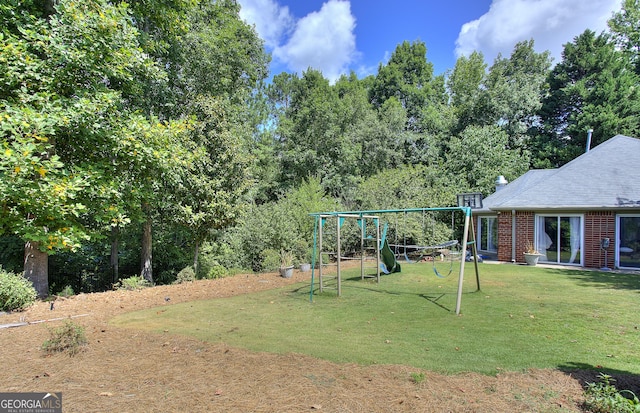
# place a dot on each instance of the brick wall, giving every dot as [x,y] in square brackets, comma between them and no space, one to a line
[504,236]
[598,225]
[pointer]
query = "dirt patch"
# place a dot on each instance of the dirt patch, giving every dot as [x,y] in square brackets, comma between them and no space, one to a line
[129,371]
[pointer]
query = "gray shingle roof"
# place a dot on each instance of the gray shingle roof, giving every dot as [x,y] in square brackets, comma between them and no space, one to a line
[606,177]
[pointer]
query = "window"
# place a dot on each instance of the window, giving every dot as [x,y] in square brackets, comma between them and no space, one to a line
[628,245]
[559,238]
[488,233]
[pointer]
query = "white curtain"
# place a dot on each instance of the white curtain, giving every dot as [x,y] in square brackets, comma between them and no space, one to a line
[543,240]
[490,227]
[574,223]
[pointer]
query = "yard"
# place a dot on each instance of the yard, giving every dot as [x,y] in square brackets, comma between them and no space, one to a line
[526,342]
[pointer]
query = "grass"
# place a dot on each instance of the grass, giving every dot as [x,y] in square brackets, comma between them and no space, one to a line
[524,317]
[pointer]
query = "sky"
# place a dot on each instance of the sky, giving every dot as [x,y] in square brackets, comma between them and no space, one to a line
[340,36]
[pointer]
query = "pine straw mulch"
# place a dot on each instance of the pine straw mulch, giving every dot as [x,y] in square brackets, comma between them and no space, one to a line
[133,371]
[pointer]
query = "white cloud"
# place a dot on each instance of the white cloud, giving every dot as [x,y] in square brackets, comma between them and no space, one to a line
[271,20]
[551,23]
[323,40]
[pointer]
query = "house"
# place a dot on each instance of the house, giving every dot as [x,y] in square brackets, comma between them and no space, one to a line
[585,213]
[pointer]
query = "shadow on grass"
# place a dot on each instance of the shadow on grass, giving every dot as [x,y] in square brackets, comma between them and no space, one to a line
[607,279]
[586,373]
[355,283]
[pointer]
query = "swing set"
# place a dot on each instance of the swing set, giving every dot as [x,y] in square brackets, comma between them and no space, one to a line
[386,258]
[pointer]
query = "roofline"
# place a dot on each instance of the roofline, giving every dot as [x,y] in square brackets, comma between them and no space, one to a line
[566,208]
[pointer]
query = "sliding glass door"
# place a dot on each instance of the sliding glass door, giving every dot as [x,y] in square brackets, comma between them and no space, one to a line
[628,246]
[488,234]
[559,238]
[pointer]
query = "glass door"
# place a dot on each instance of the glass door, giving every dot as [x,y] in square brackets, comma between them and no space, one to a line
[488,234]
[559,238]
[628,246]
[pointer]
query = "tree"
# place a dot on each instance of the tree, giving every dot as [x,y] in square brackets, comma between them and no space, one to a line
[312,136]
[220,64]
[466,88]
[480,155]
[593,87]
[514,91]
[407,77]
[65,78]
[625,31]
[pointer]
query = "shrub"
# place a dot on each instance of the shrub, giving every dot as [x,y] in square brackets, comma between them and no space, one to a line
[604,397]
[216,271]
[185,275]
[70,338]
[271,260]
[16,292]
[67,291]
[132,283]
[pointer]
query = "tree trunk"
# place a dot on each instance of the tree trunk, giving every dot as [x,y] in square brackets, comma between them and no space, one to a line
[114,252]
[36,268]
[195,258]
[146,260]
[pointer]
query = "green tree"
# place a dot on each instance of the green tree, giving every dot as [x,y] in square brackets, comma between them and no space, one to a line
[65,77]
[480,155]
[408,78]
[625,31]
[466,88]
[593,87]
[514,91]
[312,136]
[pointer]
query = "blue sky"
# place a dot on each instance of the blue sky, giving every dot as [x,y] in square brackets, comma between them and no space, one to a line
[339,36]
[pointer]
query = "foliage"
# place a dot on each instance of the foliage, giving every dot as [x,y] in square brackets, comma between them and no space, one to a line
[271,260]
[286,259]
[16,292]
[68,338]
[417,378]
[604,397]
[132,283]
[593,87]
[185,275]
[480,155]
[625,31]
[67,291]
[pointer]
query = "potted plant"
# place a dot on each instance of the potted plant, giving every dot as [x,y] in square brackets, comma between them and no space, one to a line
[305,264]
[531,254]
[286,264]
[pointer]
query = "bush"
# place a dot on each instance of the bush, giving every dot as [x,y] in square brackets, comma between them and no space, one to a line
[271,260]
[132,283]
[70,338]
[604,397]
[66,292]
[16,292]
[216,271]
[185,275]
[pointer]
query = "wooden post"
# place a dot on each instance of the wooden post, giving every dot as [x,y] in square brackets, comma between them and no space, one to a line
[462,258]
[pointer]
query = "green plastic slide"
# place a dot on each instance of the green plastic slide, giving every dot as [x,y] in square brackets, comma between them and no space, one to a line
[389,263]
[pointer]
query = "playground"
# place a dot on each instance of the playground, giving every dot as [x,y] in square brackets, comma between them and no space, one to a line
[139,359]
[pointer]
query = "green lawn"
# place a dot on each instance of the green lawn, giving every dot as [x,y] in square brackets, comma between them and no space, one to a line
[524,317]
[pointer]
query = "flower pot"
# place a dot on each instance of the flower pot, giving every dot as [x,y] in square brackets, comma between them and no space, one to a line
[531,259]
[305,267]
[286,272]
